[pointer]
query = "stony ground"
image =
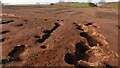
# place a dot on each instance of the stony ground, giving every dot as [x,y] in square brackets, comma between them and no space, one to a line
[59,36]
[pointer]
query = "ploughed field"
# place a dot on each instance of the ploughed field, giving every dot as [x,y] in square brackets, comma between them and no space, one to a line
[59,36]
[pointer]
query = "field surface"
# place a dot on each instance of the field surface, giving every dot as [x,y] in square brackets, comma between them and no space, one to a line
[59,36]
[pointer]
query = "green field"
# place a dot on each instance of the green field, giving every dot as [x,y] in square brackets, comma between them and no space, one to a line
[111,5]
[77,4]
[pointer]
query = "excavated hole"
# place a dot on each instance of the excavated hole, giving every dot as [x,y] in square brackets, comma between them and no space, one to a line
[118,26]
[58,20]
[55,27]
[4,32]
[43,47]
[14,54]
[19,25]
[80,48]
[90,23]
[69,58]
[45,19]
[7,22]
[2,39]
[37,37]
[79,28]
[108,66]
[43,38]
[48,33]
[90,39]
[74,23]
[26,20]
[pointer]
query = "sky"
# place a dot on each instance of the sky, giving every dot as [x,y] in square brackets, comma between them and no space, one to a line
[47,1]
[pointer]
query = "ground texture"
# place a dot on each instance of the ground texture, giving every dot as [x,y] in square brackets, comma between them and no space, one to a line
[59,36]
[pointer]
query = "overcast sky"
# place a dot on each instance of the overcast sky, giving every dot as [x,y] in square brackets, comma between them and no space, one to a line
[46,1]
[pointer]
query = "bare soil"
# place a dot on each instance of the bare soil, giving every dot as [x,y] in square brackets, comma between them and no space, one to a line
[59,36]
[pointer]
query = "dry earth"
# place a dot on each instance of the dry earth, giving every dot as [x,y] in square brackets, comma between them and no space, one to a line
[59,36]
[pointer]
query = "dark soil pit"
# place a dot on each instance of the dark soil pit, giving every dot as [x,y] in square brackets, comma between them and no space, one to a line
[14,54]
[4,32]
[81,48]
[43,38]
[45,19]
[108,66]
[74,23]
[55,27]
[92,41]
[58,20]
[19,25]
[62,20]
[26,20]
[4,61]
[118,26]
[88,24]
[6,22]
[48,33]
[38,37]
[43,47]
[78,27]
[69,58]
[2,39]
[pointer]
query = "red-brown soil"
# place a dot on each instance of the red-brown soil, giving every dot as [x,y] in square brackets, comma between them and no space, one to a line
[59,36]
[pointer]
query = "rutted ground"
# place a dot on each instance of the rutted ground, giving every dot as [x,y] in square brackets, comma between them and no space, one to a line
[58,36]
